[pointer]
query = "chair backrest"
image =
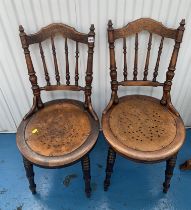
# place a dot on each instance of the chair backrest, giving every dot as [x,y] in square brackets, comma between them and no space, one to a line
[153,27]
[49,32]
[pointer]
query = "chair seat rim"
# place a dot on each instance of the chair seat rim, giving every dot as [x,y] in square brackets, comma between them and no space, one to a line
[57,161]
[144,156]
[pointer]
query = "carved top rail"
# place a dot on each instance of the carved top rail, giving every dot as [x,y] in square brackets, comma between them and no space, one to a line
[54,29]
[147,24]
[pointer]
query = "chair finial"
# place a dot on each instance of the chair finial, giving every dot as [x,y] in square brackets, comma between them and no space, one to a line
[110,24]
[21,29]
[182,23]
[91,32]
[92,28]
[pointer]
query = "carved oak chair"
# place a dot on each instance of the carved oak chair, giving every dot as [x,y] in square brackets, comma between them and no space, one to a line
[140,127]
[58,133]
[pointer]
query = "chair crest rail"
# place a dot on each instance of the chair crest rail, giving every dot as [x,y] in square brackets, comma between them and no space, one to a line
[54,29]
[147,24]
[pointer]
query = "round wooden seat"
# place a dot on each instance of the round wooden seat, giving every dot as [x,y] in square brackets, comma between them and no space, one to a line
[58,134]
[140,128]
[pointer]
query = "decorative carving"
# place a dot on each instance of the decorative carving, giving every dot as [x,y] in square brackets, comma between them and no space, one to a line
[147,24]
[54,29]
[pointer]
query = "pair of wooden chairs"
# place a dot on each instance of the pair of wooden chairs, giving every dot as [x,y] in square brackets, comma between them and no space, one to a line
[59,133]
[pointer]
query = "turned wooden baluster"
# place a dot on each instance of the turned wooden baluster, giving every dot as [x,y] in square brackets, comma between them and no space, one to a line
[37,102]
[67,63]
[89,73]
[125,59]
[113,68]
[172,66]
[136,58]
[76,69]
[55,61]
[155,74]
[47,78]
[147,58]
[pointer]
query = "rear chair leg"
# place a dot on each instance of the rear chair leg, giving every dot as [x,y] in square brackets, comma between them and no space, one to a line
[86,174]
[186,165]
[170,164]
[30,175]
[109,169]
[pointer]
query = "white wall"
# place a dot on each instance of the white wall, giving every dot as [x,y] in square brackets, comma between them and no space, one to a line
[15,92]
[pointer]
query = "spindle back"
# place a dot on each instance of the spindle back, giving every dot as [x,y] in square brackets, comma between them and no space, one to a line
[49,32]
[133,28]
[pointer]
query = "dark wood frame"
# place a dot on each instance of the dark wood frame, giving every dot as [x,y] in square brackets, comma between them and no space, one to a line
[131,28]
[81,154]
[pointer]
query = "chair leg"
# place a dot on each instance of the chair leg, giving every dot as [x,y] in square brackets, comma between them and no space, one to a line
[86,174]
[30,175]
[186,165]
[109,169]
[170,164]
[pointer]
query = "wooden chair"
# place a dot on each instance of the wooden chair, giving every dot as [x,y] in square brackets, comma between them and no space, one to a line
[60,132]
[139,127]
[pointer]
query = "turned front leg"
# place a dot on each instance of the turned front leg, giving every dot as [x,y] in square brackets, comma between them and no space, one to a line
[109,169]
[170,164]
[86,174]
[30,175]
